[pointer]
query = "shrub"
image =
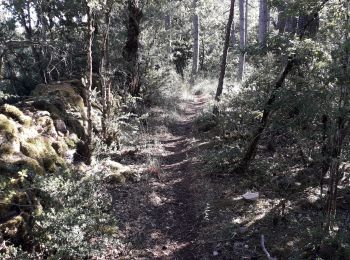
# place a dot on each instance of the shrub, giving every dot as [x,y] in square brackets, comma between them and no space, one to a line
[77,220]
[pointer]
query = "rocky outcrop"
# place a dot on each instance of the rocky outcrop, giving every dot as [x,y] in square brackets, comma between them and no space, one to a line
[38,136]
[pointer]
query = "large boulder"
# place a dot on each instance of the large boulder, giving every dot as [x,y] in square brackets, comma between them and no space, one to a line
[38,136]
[29,146]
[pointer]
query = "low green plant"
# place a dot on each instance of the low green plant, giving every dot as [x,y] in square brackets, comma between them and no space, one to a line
[76,221]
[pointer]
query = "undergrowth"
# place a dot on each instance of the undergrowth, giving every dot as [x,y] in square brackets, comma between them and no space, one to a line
[76,221]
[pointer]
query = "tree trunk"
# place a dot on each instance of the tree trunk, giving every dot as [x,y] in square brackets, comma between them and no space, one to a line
[246,22]
[250,152]
[131,48]
[242,36]
[195,58]
[233,33]
[281,20]
[308,28]
[263,22]
[291,25]
[224,55]
[105,73]
[167,21]
[25,20]
[342,129]
[1,63]
[89,87]
[202,56]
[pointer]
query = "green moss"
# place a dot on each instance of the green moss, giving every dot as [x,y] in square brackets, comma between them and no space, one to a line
[51,89]
[115,178]
[38,211]
[30,150]
[7,148]
[8,126]
[11,227]
[31,165]
[60,147]
[10,165]
[9,142]
[66,91]
[16,114]
[71,141]
[42,151]
[107,229]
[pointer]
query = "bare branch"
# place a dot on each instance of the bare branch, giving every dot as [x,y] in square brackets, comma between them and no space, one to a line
[262,243]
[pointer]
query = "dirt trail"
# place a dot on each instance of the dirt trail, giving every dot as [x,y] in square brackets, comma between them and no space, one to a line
[160,216]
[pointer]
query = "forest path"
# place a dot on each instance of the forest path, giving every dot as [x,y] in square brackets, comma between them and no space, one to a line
[160,216]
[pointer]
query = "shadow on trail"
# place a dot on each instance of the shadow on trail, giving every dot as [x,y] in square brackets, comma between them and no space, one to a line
[160,216]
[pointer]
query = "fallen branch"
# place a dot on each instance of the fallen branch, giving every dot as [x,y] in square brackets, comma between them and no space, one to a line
[262,243]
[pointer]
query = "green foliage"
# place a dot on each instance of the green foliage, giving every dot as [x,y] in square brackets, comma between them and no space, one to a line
[77,220]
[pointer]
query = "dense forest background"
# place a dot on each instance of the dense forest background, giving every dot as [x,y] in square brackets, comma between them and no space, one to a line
[130,129]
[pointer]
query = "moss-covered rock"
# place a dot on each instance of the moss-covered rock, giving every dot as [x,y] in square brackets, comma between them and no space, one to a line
[16,114]
[42,151]
[9,141]
[8,126]
[68,94]
[115,178]
[11,227]
[61,147]
[117,173]
[12,164]
[37,142]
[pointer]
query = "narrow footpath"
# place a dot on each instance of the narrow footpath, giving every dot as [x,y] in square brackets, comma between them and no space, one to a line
[160,216]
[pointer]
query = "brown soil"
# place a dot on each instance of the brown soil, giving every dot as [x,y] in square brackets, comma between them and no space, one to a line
[183,209]
[159,215]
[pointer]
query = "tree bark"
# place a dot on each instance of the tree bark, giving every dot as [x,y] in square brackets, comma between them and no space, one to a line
[242,36]
[233,33]
[342,128]
[246,22]
[224,55]
[167,21]
[250,152]
[202,60]
[131,48]
[312,27]
[89,87]
[1,63]
[291,25]
[281,19]
[105,72]
[195,58]
[263,22]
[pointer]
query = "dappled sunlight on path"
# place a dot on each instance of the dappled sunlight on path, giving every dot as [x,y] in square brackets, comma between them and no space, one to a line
[159,216]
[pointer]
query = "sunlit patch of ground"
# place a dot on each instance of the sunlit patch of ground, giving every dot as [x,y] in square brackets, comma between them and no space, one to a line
[184,209]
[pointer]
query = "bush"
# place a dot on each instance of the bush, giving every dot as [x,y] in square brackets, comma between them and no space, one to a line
[75,222]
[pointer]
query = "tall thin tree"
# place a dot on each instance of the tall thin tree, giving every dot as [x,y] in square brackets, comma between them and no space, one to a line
[342,124]
[233,32]
[195,58]
[263,22]
[225,51]
[105,70]
[278,84]
[91,30]
[131,48]
[242,40]
[167,23]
